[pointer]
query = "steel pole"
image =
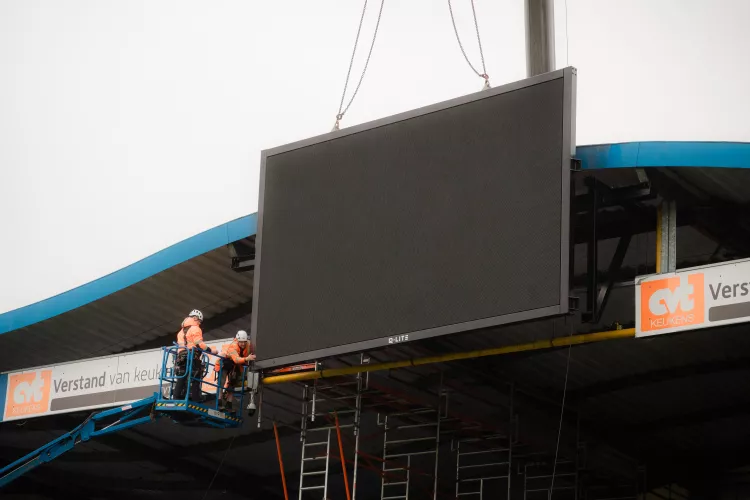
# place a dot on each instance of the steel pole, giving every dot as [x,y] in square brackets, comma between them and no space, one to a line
[540,36]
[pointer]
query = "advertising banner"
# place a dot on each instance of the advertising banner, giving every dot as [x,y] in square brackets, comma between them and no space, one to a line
[87,384]
[699,297]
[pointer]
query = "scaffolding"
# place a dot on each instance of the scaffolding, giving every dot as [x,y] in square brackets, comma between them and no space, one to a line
[407,434]
[476,464]
[485,460]
[543,479]
[327,409]
[490,460]
[331,409]
[624,485]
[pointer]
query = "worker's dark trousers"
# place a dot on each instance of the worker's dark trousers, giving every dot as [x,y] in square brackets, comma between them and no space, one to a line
[181,384]
[231,371]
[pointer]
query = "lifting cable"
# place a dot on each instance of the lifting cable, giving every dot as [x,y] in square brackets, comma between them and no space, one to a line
[342,109]
[205,494]
[562,410]
[483,74]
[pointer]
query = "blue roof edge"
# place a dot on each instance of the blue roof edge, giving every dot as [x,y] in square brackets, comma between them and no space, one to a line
[665,154]
[164,259]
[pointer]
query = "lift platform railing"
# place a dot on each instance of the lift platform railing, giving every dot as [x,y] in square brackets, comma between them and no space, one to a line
[207,362]
[169,366]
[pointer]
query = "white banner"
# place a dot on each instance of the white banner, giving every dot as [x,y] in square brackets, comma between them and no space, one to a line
[699,297]
[88,384]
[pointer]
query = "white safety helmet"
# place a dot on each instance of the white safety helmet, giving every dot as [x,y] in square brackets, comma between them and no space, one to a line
[195,313]
[241,336]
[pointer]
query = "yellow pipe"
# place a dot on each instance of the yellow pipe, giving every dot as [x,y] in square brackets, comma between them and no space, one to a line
[585,338]
[658,240]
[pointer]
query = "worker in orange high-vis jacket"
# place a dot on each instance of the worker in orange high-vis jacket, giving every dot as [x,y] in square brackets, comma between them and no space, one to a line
[236,355]
[190,336]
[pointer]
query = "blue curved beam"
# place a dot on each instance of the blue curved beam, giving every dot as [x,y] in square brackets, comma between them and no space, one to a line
[123,278]
[665,154]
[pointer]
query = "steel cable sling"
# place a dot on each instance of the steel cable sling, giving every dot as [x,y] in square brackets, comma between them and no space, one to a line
[483,74]
[342,109]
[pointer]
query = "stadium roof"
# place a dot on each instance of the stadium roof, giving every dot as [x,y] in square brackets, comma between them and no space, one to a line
[137,304]
[171,256]
[143,302]
[678,396]
[632,154]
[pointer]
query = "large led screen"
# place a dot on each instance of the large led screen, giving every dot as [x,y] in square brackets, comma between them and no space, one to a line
[446,219]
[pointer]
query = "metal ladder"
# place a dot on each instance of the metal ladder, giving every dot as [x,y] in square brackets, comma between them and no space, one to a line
[485,459]
[319,400]
[417,432]
[311,474]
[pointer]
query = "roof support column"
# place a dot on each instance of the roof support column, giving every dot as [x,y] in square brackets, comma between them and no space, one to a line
[666,238]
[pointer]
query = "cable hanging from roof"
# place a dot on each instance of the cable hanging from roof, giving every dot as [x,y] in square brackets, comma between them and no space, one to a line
[483,74]
[342,109]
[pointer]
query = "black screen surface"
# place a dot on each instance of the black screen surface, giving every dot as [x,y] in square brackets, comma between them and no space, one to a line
[418,227]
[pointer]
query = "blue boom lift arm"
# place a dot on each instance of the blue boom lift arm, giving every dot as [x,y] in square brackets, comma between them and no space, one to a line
[161,404]
[129,416]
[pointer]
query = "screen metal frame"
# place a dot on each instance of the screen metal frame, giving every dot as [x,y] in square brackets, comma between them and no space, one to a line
[568,75]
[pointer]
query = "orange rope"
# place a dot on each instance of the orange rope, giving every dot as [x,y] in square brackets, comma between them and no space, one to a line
[343,461]
[281,462]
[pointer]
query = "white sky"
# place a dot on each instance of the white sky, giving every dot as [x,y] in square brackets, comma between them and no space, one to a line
[127,126]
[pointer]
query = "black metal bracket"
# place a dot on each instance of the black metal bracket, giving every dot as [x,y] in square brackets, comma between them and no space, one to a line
[626,197]
[242,265]
[575,165]
[243,257]
[602,297]
[573,303]
[592,259]
[600,195]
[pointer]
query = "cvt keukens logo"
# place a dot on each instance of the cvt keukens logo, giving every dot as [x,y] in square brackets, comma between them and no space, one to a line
[672,302]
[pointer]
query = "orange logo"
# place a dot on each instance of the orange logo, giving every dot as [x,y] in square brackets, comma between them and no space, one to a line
[672,302]
[28,393]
